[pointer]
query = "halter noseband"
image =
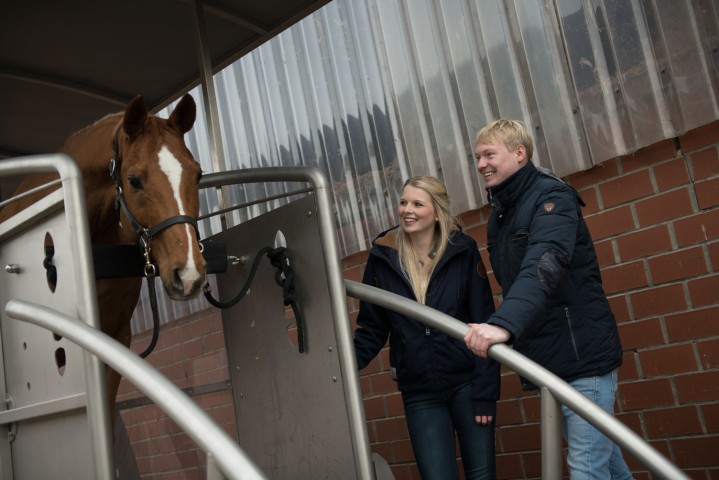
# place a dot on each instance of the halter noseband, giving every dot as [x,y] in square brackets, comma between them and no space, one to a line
[144,234]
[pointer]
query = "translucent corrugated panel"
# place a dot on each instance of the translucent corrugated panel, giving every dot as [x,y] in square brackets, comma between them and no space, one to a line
[375,91]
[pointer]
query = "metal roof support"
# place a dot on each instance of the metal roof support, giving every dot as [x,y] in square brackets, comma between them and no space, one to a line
[210,100]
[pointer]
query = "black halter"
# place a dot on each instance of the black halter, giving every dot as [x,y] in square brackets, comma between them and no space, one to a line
[144,234]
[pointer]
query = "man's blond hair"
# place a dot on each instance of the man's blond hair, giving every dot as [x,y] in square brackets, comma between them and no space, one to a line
[509,132]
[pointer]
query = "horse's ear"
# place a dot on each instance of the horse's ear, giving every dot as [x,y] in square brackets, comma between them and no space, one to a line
[135,116]
[183,117]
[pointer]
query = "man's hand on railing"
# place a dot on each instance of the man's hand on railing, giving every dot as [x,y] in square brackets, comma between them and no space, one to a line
[481,336]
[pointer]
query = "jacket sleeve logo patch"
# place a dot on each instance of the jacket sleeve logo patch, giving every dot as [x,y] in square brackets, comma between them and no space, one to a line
[548,207]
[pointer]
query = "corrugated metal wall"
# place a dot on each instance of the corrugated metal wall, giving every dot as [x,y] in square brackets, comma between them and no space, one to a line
[375,91]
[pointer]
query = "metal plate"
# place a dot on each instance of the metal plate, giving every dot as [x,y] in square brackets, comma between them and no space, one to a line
[291,412]
[43,374]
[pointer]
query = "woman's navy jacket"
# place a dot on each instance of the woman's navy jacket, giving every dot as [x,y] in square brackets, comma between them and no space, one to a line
[423,358]
[543,257]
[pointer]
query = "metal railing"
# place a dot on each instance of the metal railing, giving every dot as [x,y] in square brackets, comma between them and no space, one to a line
[553,390]
[224,454]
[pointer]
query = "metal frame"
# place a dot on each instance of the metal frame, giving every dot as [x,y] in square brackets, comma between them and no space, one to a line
[87,311]
[223,452]
[335,283]
[553,390]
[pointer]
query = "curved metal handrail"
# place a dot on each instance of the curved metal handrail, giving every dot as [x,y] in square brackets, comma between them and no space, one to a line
[225,452]
[540,376]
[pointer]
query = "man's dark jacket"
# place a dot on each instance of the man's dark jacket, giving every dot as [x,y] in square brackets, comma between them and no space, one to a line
[423,358]
[543,257]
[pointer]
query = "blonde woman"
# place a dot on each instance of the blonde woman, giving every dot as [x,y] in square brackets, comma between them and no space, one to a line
[446,390]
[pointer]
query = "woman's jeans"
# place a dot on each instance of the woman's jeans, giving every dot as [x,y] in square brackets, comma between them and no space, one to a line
[592,455]
[433,418]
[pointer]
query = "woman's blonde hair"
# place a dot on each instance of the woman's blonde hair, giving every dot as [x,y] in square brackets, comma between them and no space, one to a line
[511,133]
[417,273]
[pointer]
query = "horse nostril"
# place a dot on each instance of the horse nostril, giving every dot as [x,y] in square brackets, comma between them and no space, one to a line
[176,279]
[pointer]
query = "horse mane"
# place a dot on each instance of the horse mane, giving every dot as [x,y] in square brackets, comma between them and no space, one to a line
[93,125]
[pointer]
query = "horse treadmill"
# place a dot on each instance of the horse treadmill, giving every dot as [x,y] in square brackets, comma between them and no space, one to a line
[299,414]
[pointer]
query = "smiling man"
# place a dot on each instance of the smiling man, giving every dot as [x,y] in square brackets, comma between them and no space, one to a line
[554,309]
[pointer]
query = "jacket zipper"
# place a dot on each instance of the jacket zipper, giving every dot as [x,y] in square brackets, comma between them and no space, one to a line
[571,332]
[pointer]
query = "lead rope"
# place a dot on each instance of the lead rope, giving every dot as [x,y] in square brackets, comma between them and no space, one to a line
[150,272]
[284,277]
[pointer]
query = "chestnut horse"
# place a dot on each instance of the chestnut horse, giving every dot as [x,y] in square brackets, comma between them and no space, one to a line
[149,194]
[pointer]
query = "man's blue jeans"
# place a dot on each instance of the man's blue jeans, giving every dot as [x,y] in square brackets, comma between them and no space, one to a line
[432,419]
[592,455]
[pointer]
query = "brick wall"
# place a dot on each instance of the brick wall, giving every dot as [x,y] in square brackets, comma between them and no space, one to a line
[654,217]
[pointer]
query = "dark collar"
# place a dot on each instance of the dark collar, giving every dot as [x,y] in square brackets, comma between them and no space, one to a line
[508,192]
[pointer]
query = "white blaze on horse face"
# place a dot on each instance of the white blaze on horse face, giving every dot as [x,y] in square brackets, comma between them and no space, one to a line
[173,169]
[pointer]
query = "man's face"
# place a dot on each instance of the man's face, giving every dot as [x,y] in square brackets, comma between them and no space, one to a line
[496,163]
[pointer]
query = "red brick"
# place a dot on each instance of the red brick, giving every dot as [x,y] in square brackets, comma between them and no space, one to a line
[705,163]
[382,384]
[646,394]
[697,228]
[519,438]
[374,408]
[707,193]
[671,174]
[532,408]
[620,308]
[698,387]
[391,429]
[700,137]
[714,255]
[678,265]
[709,353]
[668,360]
[509,466]
[632,420]
[355,260]
[695,451]
[649,155]
[591,201]
[621,278]
[479,234]
[511,386]
[472,218]
[695,324]
[641,334]
[594,175]
[644,243]
[626,188]
[610,222]
[628,370]
[395,407]
[704,291]
[605,253]
[664,207]
[657,301]
[533,465]
[402,451]
[509,412]
[711,417]
[672,422]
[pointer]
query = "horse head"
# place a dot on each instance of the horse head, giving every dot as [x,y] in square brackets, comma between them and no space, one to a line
[156,179]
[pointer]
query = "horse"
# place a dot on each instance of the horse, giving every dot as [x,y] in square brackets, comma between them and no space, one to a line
[147,193]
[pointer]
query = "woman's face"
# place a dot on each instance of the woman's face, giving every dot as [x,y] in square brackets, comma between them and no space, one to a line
[416,212]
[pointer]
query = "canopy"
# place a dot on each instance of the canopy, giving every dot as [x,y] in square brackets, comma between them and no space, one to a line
[64,64]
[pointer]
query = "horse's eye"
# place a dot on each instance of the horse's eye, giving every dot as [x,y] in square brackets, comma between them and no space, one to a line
[135,182]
